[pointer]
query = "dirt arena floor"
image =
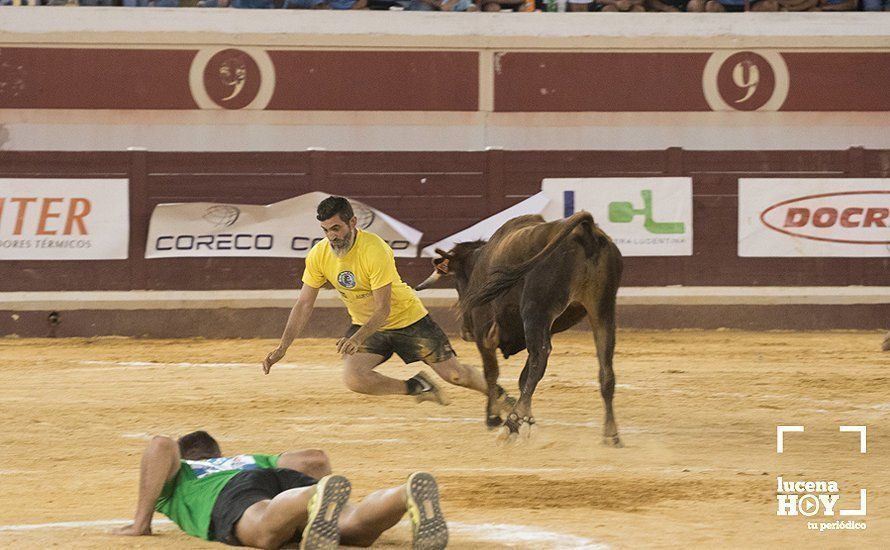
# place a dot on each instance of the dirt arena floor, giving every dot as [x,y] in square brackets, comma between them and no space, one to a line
[697,410]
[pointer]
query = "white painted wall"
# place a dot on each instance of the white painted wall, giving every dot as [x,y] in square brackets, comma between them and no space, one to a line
[369,131]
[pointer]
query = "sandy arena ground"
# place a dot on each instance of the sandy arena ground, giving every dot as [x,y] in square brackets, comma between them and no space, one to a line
[697,411]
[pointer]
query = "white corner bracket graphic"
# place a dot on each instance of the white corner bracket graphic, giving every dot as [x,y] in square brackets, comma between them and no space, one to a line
[780,435]
[861,430]
[861,510]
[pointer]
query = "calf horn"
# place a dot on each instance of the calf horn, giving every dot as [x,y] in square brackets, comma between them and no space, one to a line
[429,281]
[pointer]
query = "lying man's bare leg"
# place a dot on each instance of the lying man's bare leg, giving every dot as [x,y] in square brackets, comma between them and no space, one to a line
[273,523]
[362,524]
[312,462]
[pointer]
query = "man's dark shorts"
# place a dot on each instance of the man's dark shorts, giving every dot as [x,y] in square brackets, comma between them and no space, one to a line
[421,341]
[246,489]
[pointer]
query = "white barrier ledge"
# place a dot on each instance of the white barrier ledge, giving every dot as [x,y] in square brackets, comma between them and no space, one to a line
[339,29]
[248,299]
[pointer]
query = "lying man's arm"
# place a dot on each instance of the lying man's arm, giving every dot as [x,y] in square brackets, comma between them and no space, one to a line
[160,464]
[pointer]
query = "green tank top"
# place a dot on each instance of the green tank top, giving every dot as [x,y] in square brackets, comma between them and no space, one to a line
[188,499]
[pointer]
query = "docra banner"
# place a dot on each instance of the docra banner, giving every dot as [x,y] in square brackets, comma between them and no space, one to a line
[812,217]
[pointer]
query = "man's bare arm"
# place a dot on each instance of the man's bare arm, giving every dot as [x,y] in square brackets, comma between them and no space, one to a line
[296,321]
[382,307]
[160,464]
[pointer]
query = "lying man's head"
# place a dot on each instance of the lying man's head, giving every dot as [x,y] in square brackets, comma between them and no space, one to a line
[198,445]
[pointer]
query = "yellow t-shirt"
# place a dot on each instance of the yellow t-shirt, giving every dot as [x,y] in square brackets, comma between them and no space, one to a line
[367,266]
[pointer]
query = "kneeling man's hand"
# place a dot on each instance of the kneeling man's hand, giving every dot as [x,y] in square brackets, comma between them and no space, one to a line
[274,356]
[347,346]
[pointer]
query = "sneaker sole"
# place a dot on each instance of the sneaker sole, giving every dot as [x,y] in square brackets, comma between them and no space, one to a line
[322,531]
[429,527]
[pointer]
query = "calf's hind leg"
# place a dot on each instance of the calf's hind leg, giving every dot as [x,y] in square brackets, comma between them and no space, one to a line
[603,326]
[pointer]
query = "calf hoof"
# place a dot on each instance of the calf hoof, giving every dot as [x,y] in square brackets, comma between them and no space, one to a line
[507,437]
[493,421]
[613,441]
[510,432]
[525,431]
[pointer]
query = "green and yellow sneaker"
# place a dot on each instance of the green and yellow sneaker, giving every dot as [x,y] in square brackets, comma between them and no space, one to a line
[429,530]
[322,531]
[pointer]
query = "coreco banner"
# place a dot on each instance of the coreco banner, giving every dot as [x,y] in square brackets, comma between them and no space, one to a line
[286,229]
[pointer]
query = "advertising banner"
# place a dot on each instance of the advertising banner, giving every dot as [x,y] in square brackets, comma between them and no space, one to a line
[644,216]
[286,229]
[813,217]
[64,219]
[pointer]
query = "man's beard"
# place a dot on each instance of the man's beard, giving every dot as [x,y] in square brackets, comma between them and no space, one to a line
[341,246]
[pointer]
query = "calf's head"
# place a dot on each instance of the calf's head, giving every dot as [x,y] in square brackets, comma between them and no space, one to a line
[457,263]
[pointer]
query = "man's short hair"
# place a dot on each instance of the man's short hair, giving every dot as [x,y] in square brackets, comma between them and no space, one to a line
[333,206]
[198,445]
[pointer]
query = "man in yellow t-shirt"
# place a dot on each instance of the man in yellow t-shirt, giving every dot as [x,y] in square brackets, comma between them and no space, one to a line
[387,316]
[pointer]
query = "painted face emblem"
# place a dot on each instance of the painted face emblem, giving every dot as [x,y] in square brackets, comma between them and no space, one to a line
[232,79]
[346,279]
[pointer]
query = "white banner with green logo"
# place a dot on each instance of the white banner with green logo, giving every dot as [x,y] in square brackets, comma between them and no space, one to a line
[644,216]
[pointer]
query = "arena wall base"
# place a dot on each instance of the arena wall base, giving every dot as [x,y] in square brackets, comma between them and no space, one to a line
[332,322]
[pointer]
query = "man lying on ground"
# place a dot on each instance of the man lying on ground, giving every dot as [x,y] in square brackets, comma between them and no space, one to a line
[268,501]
